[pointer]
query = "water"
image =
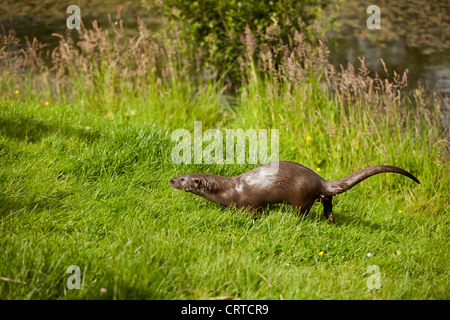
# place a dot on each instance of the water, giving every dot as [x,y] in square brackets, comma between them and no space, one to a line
[431,71]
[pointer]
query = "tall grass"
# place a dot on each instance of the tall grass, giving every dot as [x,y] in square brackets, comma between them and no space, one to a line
[84,177]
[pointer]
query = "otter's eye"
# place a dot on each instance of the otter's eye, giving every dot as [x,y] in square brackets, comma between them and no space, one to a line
[182,179]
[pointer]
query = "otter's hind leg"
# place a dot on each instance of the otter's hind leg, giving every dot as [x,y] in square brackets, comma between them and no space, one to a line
[301,211]
[257,213]
[328,208]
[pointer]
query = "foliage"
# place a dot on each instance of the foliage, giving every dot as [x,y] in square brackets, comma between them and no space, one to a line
[217,28]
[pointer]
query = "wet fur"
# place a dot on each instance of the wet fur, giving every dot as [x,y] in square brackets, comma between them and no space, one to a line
[292,183]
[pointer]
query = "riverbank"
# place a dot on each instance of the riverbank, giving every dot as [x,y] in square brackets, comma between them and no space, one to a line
[85,158]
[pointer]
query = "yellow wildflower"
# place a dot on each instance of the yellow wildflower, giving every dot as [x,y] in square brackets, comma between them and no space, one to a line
[46,103]
[308,138]
[400,211]
[317,169]
[320,253]
[16,92]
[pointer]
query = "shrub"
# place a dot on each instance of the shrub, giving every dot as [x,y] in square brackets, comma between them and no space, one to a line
[216,28]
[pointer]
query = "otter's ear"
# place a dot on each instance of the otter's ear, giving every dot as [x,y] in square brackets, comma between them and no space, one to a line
[197,182]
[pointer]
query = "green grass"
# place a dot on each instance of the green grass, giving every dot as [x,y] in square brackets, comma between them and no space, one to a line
[84,180]
[86,185]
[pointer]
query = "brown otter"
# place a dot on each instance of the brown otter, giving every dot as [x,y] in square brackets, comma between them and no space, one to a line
[289,182]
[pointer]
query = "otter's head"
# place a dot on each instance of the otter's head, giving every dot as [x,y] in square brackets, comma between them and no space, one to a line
[192,182]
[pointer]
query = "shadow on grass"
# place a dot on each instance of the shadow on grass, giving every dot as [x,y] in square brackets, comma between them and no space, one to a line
[17,202]
[28,129]
[346,218]
[342,218]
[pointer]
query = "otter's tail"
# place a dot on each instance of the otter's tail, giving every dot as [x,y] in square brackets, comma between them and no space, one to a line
[333,188]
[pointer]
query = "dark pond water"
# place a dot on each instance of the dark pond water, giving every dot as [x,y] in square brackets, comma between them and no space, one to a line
[431,71]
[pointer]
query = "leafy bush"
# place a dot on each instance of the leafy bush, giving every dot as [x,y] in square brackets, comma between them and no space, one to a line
[218,28]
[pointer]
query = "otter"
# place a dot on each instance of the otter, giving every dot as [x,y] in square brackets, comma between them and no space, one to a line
[286,182]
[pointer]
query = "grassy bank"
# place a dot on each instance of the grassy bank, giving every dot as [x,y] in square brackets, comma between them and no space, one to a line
[85,159]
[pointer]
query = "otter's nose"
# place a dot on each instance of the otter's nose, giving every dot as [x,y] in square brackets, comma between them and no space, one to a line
[171,181]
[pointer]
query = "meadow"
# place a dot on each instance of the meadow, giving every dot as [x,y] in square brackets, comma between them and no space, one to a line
[85,163]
